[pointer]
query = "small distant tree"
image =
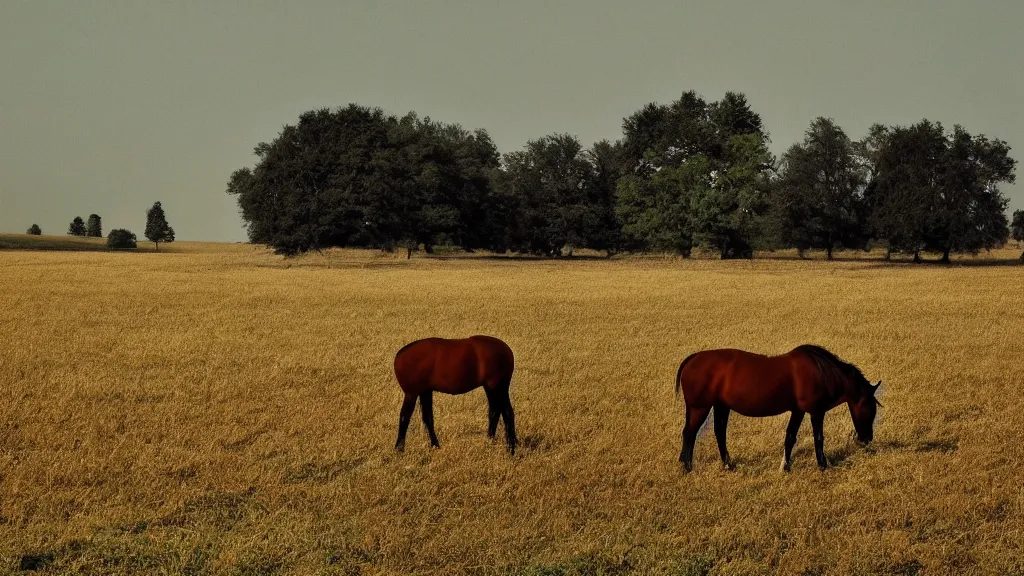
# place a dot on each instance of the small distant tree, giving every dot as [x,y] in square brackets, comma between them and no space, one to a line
[157,229]
[34,230]
[94,228]
[77,227]
[1018,228]
[120,238]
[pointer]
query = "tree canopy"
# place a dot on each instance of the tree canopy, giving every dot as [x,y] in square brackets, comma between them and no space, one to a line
[77,227]
[157,229]
[94,227]
[688,174]
[819,198]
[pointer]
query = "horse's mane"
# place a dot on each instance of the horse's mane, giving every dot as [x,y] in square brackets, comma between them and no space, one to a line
[829,363]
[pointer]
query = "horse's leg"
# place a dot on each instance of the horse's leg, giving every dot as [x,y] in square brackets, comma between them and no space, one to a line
[408,405]
[427,408]
[510,419]
[795,419]
[818,426]
[493,411]
[695,418]
[721,421]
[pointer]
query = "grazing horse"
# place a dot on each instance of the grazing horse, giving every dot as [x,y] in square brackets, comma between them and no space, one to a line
[806,380]
[455,367]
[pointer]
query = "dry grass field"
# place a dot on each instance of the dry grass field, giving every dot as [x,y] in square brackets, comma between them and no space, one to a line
[216,409]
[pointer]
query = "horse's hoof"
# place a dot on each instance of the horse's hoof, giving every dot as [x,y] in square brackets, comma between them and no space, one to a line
[728,466]
[785,467]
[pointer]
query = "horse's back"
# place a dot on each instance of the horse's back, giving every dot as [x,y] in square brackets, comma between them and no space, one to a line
[453,366]
[750,383]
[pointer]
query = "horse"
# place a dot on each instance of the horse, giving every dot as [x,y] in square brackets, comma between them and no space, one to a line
[455,366]
[806,380]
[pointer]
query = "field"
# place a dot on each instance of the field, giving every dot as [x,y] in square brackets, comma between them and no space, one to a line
[218,409]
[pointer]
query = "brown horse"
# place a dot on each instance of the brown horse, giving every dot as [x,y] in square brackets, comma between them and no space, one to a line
[806,380]
[455,367]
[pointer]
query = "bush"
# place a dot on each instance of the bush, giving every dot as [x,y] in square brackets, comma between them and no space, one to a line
[120,238]
[34,230]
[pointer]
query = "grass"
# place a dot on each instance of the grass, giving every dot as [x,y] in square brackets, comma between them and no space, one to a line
[80,244]
[220,410]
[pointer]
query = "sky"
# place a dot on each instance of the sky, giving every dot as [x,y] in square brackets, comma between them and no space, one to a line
[107,107]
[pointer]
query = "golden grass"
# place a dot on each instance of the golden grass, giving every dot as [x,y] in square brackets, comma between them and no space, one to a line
[217,409]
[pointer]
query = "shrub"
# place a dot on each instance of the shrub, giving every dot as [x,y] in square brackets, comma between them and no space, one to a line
[34,230]
[120,238]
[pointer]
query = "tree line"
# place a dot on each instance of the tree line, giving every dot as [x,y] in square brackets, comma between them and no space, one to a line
[157,229]
[688,174]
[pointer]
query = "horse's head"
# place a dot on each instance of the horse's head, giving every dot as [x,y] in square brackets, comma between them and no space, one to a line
[864,410]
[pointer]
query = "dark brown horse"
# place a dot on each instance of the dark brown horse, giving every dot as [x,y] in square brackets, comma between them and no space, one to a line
[455,367]
[806,380]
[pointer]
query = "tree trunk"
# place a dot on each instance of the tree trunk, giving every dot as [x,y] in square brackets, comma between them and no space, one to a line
[157,245]
[945,256]
[917,256]
[888,254]
[408,253]
[828,253]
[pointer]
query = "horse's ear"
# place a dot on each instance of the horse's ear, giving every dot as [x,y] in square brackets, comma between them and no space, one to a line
[875,387]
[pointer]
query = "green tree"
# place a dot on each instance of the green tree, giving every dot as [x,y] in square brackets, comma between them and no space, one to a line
[119,238]
[655,212]
[357,177]
[607,167]
[818,200]
[939,192]
[34,230]
[157,229]
[94,227]
[77,227]
[728,215]
[1018,228]
[549,186]
[723,208]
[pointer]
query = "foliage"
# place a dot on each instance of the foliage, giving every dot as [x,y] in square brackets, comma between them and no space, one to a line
[120,238]
[357,177]
[94,227]
[157,229]
[818,201]
[938,191]
[690,173]
[1017,227]
[77,227]
[34,230]
[551,188]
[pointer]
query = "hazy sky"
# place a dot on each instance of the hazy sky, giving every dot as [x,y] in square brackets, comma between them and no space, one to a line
[107,107]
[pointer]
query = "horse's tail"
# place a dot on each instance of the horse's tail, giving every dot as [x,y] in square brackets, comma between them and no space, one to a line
[679,373]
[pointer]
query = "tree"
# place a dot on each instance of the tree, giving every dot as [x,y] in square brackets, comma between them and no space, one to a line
[939,192]
[818,201]
[94,228]
[607,167]
[157,229]
[1018,228]
[34,230]
[357,177]
[723,205]
[655,212]
[727,215]
[77,227]
[120,238]
[549,186]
